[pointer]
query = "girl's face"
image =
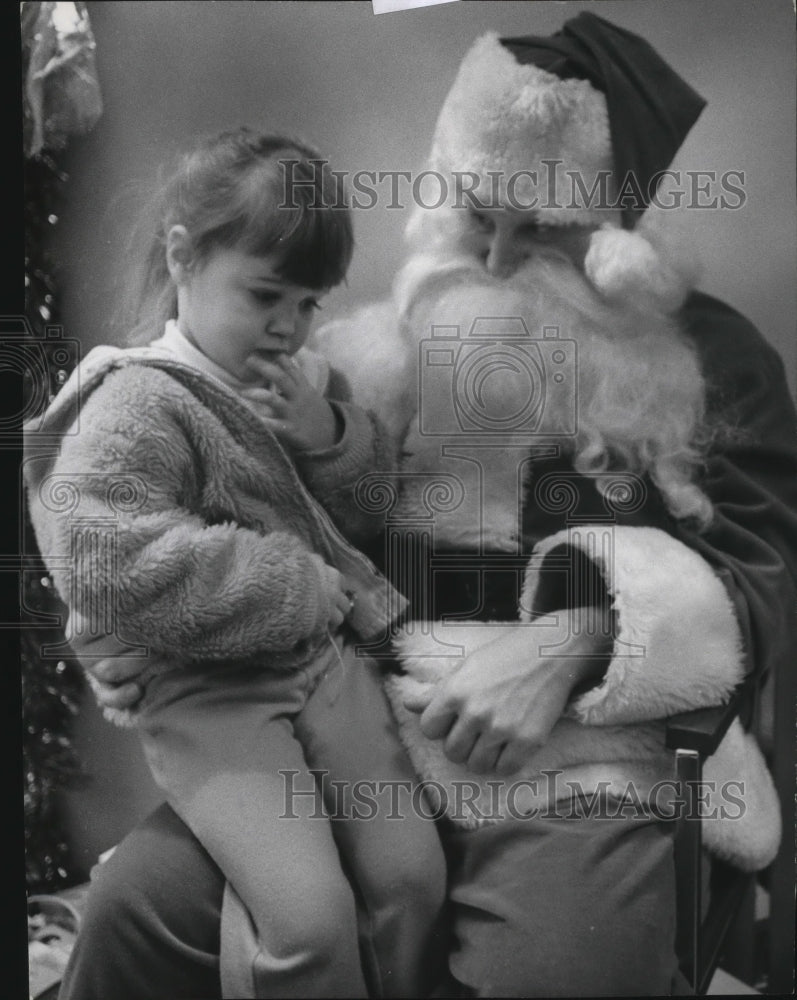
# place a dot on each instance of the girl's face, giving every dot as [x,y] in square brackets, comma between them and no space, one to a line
[235,307]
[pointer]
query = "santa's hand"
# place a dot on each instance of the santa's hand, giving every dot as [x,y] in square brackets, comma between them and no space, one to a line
[419,700]
[115,680]
[292,408]
[505,699]
[115,677]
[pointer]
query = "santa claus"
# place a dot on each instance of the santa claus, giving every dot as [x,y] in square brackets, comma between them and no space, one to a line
[592,514]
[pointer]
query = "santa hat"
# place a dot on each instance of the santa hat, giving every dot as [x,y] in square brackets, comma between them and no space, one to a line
[593,102]
[592,97]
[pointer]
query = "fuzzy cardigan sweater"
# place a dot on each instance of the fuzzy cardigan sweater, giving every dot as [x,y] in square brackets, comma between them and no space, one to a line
[169,514]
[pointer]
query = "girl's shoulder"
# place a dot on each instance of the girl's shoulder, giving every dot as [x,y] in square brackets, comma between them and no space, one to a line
[128,402]
[134,416]
[142,388]
[150,369]
[107,381]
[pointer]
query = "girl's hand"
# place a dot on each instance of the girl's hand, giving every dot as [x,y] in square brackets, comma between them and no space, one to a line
[341,601]
[292,408]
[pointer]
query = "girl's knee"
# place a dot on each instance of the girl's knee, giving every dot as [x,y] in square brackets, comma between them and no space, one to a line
[418,889]
[412,877]
[319,921]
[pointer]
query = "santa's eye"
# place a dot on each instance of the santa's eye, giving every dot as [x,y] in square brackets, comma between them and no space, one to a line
[481,221]
[536,229]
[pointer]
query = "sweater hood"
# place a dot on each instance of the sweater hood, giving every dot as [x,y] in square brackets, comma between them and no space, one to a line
[63,410]
[45,432]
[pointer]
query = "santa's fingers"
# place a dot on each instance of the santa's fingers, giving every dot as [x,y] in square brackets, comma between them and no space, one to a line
[484,755]
[461,740]
[513,756]
[119,696]
[115,670]
[419,700]
[436,720]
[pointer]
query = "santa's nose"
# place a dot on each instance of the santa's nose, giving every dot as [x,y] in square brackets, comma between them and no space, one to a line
[503,256]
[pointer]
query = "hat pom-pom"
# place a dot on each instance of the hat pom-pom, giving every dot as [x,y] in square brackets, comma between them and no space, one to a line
[625,266]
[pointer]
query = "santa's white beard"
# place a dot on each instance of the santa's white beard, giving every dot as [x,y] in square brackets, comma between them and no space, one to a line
[639,391]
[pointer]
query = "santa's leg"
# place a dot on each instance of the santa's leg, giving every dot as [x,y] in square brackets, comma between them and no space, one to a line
[564,907]
[144,934]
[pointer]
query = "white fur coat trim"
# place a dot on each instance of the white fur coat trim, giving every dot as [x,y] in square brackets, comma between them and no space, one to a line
[739,807]
[678,645]
[741,814]
[430,653]
[369,346]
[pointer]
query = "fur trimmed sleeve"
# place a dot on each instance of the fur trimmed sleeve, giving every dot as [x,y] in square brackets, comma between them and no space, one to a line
[677,644]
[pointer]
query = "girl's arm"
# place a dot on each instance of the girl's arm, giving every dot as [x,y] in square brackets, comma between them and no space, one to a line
[332,474]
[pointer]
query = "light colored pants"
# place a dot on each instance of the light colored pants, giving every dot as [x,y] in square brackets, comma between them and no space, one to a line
[233,749]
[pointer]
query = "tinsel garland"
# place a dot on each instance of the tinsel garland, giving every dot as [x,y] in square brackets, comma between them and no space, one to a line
[51,691]
[61,98]
[51,685]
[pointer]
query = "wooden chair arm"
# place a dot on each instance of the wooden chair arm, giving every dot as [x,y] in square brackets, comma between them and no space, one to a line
[702,730]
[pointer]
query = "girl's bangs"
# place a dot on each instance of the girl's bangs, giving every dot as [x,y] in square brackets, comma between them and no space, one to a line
[311,235]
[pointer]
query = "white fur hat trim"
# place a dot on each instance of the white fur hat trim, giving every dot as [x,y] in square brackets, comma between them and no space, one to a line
[505,117]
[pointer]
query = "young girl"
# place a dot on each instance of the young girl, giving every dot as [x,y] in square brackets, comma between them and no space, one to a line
[208,472]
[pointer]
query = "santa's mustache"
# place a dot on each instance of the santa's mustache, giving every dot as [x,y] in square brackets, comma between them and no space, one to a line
[546,290]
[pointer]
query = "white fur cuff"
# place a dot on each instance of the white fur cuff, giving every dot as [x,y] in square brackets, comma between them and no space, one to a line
[741,814]
[677,645]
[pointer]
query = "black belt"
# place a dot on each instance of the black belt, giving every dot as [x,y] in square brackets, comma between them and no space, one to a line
[487,586]
[465,586]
